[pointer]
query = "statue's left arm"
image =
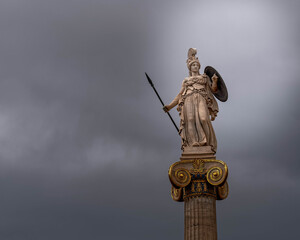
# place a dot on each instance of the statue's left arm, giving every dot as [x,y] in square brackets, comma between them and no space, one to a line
[214,85]
[212,103]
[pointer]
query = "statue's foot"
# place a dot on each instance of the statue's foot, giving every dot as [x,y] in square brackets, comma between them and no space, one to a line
[195,144]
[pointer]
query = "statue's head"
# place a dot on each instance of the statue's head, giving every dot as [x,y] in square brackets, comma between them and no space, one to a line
[195,66]
[193,63]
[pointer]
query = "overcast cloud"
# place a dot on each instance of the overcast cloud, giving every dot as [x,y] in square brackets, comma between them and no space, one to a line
[84,144]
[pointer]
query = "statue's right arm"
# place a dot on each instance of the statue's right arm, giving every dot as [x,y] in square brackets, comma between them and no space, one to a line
[175,101]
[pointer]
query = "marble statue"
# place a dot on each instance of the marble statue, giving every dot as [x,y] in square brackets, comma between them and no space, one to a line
[197,106]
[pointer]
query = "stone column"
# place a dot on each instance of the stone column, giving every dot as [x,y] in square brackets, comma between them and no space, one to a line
[200,218]
[199,183]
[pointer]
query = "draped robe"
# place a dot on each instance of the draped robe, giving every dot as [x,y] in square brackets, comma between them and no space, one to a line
[196,104]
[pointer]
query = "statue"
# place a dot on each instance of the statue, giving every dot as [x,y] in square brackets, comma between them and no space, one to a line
[197,106]
[198,179]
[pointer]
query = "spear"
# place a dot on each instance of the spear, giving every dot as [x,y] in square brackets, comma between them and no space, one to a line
[152,85]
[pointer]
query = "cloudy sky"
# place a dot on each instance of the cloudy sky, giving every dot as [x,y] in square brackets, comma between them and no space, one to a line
[85,146]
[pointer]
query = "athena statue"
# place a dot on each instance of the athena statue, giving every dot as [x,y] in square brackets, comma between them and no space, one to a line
[197,106]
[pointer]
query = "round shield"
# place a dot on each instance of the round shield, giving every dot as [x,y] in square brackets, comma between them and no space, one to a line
[222,93]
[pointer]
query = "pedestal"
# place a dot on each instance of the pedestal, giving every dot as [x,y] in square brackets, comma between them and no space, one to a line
[199,183]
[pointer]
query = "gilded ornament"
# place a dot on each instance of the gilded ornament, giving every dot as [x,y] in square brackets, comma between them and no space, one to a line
[215,171]
[215,176]
[199,189]
[223,191]
[193,187]
[176,194]
[204,187]
[198,166]
[182,177]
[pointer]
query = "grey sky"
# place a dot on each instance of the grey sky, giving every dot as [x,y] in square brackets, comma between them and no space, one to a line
[84,144]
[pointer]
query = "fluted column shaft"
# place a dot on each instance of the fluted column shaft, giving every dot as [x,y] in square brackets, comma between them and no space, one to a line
[200,218]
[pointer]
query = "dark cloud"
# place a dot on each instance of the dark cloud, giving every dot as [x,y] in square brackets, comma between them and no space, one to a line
[84,144]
